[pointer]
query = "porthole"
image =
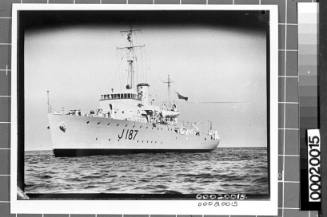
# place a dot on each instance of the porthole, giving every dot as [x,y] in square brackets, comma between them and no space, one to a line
[108,124]
[98,123]
[87,122]
[117,125]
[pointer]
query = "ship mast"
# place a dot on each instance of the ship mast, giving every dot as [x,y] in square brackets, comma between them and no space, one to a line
[48,101]
[131,55]
[168,82]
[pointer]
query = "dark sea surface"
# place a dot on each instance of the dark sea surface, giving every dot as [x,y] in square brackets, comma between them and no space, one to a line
[225,170]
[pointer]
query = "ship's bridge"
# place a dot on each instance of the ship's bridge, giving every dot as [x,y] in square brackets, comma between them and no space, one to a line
[120,100]
[126,104]
[116,96]
[121,104]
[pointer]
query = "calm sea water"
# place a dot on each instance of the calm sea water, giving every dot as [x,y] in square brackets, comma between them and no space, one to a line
[225,170]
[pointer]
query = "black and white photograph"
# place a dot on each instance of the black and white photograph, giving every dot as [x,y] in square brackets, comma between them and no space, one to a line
[146,104]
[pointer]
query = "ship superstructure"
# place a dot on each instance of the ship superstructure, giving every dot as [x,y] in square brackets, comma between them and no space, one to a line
[127,122]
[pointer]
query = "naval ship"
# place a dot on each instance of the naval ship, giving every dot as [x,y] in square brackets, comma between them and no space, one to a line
[127,122]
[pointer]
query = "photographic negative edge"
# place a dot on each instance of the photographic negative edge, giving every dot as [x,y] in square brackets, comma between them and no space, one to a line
[138,206]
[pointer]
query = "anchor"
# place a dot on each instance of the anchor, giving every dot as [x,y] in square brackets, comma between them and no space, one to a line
[62,128]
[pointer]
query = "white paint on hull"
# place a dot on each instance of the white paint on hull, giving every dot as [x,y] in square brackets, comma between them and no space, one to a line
[81,132]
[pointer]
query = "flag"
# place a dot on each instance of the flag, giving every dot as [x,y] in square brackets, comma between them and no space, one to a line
[181,96]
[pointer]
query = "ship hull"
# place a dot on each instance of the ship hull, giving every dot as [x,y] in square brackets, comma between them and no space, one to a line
[81,135]
[87,152]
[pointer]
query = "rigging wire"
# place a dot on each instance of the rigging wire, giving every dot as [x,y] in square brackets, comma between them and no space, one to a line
[146,65]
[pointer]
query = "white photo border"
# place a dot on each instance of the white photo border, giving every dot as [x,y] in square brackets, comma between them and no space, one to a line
[246,207]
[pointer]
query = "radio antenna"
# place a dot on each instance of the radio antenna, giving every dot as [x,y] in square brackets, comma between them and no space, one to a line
[48,101]
[168,82]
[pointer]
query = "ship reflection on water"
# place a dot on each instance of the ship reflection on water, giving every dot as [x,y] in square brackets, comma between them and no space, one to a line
[225,170]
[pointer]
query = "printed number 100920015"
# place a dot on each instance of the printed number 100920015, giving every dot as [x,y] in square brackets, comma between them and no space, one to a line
[217,203]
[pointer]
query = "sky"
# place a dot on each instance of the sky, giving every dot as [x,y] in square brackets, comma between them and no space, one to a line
[78,63]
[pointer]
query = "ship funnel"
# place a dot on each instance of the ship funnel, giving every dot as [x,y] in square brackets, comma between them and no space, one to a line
[143,92]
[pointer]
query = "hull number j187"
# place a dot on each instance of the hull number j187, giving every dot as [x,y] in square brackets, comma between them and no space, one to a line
[128,134]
